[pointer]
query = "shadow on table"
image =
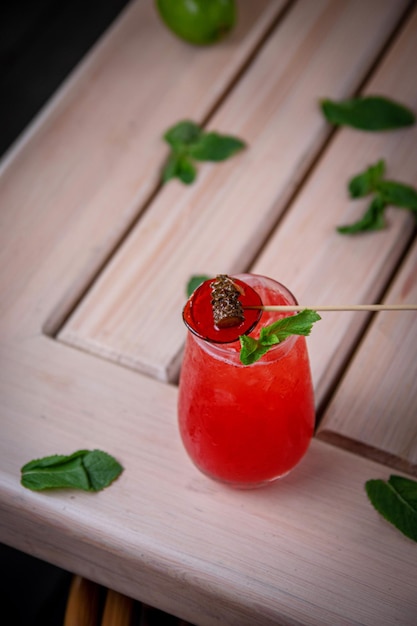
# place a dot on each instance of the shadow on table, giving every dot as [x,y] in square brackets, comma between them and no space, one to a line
[40,43]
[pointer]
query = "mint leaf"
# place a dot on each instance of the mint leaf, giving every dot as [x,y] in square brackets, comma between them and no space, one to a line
[300,324]
[371,113]
[182,134]
[190,143]
[388,192]
[215,147]
[101,468]
[398,194]
[396,501]
[406,488]
[179,166]
[195,281]
[372,219]
[56,476]
[51,461]
[366,182]
[84,469]
[251,350]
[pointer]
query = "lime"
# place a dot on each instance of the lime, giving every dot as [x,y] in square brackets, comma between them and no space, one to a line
[199,22]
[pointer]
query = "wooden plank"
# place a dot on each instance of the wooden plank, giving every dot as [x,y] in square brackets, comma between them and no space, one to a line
[220,223]
[308,550]
[381,422]
[320,265]
[88,164]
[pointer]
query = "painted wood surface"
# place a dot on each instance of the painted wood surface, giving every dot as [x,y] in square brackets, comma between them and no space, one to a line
[79,177]
[132,312]
[320,265]
[309,550]
[381,421]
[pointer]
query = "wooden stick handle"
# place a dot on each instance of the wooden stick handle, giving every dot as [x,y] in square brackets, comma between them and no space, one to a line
[342,307]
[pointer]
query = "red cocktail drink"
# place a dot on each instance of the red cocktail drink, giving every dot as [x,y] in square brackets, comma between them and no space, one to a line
[245,424]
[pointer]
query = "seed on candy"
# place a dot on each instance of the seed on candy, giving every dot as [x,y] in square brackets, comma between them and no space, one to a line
[231,296]
[227,310]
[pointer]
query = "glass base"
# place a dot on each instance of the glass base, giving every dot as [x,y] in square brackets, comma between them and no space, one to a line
[244,485]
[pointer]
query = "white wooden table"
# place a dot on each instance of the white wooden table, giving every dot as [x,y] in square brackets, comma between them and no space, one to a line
[95,256]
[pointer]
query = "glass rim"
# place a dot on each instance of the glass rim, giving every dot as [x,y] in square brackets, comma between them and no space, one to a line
[253,326]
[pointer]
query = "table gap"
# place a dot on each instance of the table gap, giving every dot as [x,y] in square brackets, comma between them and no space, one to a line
[395,34]
[321,408]
[58,318]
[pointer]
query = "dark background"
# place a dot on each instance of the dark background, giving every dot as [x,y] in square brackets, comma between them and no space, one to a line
[41,41]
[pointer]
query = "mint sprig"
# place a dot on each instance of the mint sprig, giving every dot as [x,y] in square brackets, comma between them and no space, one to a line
[398,194]
[370,113]
[215,147]
[372,219]
[183,134]
[195,281]
[366,182]
[300,324]
[386,193]
[396,501]
[89,470]
[179,166]
[189,143]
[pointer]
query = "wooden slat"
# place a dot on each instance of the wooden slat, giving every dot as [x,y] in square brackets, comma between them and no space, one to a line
[83,604]
[320,265]
[381,421]
[133,312]
[118,610]
[165,534]
[88,164]
[309,550]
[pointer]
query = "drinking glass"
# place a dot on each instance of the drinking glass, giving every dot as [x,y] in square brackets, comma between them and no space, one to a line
[245,425]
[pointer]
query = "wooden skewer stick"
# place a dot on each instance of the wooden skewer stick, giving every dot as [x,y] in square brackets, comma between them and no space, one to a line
[342,307]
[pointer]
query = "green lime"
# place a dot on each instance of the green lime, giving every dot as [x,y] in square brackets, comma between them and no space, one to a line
[199,22]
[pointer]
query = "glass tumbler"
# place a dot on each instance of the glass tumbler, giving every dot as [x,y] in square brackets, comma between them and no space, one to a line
[244,425]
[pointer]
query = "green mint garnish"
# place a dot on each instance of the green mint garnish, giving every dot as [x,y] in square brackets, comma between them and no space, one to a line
[195,281]
[183,134]
[372,113]
[398,194]
[190,143]
[372,219]
[396,501]
[89,470]
[366,182]
[215,147]
[179,166]
[386,192]
[300,324]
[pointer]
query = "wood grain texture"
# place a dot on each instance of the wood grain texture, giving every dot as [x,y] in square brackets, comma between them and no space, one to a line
[320,265]
[84,170]
[307,551]
[132,313]
[381,421]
